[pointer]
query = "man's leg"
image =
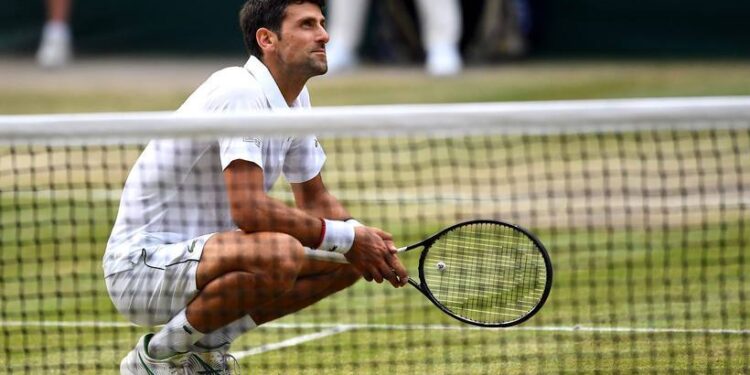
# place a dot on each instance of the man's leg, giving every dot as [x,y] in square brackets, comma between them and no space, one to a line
[264,275]
[346,25]
[441,22]
[236,271]
[307,291]
[58,10]
[55,48]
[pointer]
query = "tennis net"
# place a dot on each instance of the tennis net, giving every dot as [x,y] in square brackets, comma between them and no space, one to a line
[643,205]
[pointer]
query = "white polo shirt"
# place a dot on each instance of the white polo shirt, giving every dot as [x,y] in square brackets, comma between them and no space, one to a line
[176,191]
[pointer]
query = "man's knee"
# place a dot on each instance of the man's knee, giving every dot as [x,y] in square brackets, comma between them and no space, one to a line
[277,262]
[283,257]
[270,251]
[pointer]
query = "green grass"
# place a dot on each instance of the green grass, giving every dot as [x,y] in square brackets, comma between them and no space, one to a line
[650,267]
[30,101]
[680,284]
[542,80]
[534,80]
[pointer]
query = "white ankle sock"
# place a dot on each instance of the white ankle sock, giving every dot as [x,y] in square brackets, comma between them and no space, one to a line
[225,335]
[175,337]
[56,30]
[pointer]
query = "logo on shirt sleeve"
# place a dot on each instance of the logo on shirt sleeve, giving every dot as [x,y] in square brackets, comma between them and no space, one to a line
[255,141]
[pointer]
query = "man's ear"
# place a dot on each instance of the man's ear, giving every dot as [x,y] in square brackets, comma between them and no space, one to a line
[266,38]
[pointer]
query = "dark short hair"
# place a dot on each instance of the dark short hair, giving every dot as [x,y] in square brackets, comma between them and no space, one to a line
[269,14]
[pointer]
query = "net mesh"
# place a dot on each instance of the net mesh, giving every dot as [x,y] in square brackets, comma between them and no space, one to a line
[643,207]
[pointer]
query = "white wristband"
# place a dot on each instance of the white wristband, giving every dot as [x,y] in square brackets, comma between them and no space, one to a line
[338,236]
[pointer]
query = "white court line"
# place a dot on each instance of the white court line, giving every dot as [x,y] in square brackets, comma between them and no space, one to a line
[399,327]
[292,342]
[57,324]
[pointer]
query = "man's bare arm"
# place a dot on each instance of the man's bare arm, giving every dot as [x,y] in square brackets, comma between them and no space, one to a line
[254,211]
[313,197]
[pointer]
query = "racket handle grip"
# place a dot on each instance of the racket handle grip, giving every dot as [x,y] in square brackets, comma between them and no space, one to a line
[327,256]
[330,256]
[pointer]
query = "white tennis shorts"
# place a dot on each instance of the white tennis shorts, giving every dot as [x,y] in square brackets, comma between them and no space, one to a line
[161,284]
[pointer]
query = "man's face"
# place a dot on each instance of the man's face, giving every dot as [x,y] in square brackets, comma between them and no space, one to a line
[303,39]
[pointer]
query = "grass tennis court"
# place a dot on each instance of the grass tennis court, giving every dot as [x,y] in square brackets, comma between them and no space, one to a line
[632,310]
[654,284]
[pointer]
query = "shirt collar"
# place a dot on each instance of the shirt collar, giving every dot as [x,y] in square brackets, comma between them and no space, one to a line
[268,84]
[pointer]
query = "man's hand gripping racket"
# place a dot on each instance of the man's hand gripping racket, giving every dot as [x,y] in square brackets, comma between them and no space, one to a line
[380,262]
[482,272]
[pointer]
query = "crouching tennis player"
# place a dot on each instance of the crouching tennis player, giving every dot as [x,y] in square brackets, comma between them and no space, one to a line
[200,248]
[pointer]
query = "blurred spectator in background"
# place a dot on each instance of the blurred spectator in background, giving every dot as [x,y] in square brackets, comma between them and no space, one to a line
[56,46]
[503,31]
[441,33]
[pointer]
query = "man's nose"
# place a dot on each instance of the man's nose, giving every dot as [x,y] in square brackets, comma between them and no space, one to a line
[323,35]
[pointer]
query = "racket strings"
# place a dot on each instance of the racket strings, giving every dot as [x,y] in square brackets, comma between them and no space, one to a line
[491,273]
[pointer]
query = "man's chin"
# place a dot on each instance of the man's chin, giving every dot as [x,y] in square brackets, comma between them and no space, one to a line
[319,69]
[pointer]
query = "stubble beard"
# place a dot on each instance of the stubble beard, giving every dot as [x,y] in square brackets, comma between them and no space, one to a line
[307,69]
[316,67]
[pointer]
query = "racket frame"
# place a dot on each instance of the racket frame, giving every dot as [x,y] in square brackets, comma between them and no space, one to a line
[424,287]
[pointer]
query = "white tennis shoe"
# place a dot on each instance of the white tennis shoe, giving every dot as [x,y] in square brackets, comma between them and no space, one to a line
[217,362]
[55,49]
[138,362]
[444,60]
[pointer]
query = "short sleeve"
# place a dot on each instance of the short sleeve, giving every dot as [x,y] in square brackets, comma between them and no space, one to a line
[304,159]
[240,148]
[247,148]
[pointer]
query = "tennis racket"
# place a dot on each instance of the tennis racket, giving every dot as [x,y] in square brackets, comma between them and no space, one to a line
[481,272]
